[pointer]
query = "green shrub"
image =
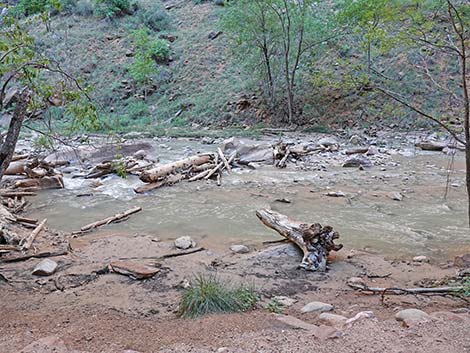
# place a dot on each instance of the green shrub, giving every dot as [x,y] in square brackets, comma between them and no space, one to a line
[138,109]
[81,8]
[275,306]
[115,8]
[160,50]
[154,18]
[209,295]
[32,7]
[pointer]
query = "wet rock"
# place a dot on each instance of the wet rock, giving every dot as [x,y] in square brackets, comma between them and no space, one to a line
[207,140]
[462,261]
[284,301]
[372,151]
[46,267]
[316,306]
[45,183]
[185,243]
[420,258]
[50,344]
[333,319]
[140,154]
[132,269]
[358,161]
[355,140]
[360,316]
[328,141]
[240,249]
[295,323]
[356,281]
[66,153]
[335,194]
[284,250]
[410,317]
[396,196]
[431,145]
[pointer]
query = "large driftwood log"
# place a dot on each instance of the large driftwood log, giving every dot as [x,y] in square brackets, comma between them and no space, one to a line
[108,220]
[314,240]
[152,175]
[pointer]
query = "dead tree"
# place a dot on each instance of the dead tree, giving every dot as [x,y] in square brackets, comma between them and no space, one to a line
[315,241]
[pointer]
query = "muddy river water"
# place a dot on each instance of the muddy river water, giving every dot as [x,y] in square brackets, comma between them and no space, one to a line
[424,222]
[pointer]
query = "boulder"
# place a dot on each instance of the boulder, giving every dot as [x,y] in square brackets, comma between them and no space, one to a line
[46,267]
[132,269]
[357,161]
[65,153]
[333,319]
[357,150]
[431,145]
[355,140]
[317,307]
[48,182]
[372,150]
[410,317]
[328,141]
[462,261]
[185,242]
[248,152]
[240,249]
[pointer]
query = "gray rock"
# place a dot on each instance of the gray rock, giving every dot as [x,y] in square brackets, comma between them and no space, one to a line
[431,145]
[356,281]
[328,141]
[372,151]
[358,161]
[240,249]
[46,267]
[420,258]
[462,261]
[295,323]
[333,319]
[64,154]
[355,140]
[316,306]
[185,243]
[396,196]
[248,152]
[140,154]
[411,317]
[360,316]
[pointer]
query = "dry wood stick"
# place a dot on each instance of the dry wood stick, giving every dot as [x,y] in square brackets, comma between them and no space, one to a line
[402,291]
[28,242]
[12,194]
[200,175]
[214,170]
[9,248]
[222,157]
[35,256]
[116,217]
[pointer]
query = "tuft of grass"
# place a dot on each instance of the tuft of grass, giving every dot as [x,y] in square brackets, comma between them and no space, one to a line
[208,295]
[275,307]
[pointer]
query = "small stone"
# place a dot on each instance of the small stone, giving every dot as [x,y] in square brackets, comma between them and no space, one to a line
[328,141]
[133,269]
[333,319]
[316,306]
[285,301]
[46,267]
[222,350]
[355,140]
[185,243]
[420,258]
[240,249]
[372,151]
[396,196]
[360,316]
[141,154]
[357,161]
[335,194]
[410,317]
[462,261]
[356,281]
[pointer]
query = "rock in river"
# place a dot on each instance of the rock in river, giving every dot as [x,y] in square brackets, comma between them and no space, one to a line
[240,249]
[185,243]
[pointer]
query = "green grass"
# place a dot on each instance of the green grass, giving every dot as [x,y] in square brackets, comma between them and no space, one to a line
[209,295]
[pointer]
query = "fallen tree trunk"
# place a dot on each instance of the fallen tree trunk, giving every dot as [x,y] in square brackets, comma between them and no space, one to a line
[314,240]
[112,219]
[152,175]
[403,291]
[26,243]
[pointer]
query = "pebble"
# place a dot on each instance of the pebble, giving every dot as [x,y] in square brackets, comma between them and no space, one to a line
[185,242]
[240,249]
[420,258]
[356,281]
[316,306]
[396,196]
[46,267]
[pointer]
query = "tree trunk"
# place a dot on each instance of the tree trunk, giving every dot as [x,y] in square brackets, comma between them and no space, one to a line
[314,240]
[8,147]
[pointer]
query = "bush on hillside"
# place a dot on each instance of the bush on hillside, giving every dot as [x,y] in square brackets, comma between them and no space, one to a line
[155,18]
[115,8]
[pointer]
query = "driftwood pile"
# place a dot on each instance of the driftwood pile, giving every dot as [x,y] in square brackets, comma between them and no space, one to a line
[38,174]
[202,166]
[283,151]
[314,240]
